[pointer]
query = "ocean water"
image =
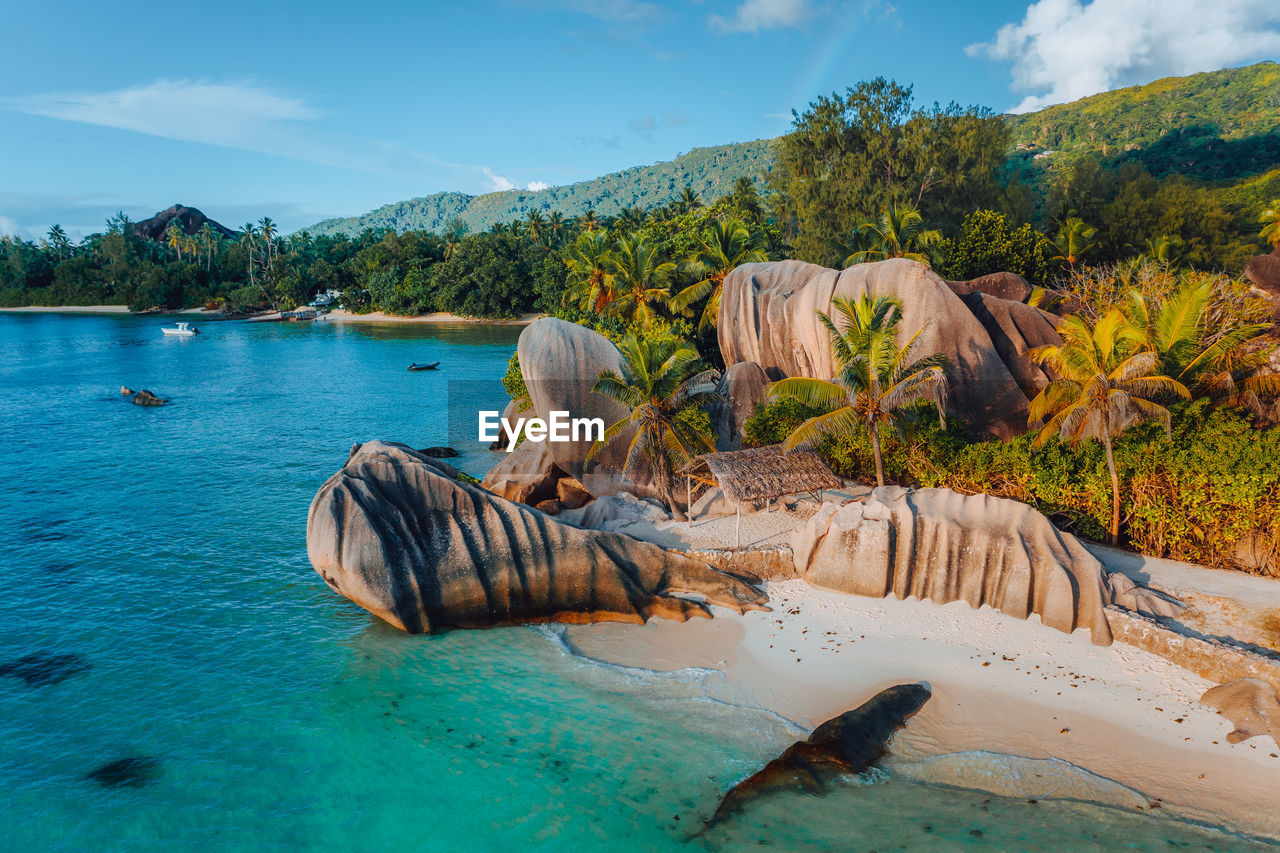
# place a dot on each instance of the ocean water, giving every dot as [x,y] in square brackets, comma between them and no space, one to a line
[161,552]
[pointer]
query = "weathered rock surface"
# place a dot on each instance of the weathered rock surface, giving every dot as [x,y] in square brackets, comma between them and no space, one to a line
[742,389]
[1014,329]
[613,511]
[393,532]
[1003,285]
[560,363]
[1122,591]
[527,475]
[1251,704]
[943,546]
[146,398]
[1263,272]
[768,315]
[847,744]
[572,494]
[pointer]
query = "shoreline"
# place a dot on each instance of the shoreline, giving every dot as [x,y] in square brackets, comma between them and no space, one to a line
[1018,709]
[338,316]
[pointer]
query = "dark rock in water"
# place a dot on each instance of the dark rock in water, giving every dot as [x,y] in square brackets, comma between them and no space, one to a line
[126,772]
[44,668]
[146,398]
[126,391]
[439,452]
[396,533]
[850,743]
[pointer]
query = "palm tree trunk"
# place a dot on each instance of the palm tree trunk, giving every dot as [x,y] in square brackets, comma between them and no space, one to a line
[1115,491]
[875,451]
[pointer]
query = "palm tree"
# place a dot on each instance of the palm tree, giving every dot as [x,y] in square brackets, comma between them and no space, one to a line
[174,236]
[1107,382]
[1225,365]
[1270,219]
[536,226]
[590,263]
[687,201]
[659,378]
[641,280]
[556,228]
[727,245]
[451,244]
[1167,249]
[208,241]
[267,229]
[876,381]
[248,236]
[590,222]
[59,241]
[1073,241]
[898,233]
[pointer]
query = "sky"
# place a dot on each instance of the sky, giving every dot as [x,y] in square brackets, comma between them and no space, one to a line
[303,111]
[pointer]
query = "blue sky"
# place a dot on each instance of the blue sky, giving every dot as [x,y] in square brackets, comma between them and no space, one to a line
[302,111]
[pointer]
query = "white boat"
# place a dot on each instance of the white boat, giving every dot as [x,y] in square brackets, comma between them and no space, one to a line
[184,329]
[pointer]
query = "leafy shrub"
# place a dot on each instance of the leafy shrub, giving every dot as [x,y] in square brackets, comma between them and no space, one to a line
[513,382]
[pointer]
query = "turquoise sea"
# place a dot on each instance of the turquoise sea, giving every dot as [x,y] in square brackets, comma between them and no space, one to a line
[154,561]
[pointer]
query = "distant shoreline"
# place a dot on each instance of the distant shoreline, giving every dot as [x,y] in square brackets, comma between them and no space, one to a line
[339,316]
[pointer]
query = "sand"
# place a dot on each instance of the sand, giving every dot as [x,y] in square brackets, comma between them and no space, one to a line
[69,309]
[343,316]
[1018,708]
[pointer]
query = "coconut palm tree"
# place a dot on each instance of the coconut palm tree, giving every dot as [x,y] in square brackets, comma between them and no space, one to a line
[59,241]
[1167,249]
[590,261]
[898,233]
[557,227]
[248,238]
[1226,365]
[1074,240]
[659,378]
[876,381]
[1107,383]
[1270,219]
[641,281]
[728,244]
[208,242]
[268,230]
[173,237]
[535,225]
[687,201]
[590,221]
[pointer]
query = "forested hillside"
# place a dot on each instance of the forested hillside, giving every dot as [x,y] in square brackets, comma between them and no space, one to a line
[710,172]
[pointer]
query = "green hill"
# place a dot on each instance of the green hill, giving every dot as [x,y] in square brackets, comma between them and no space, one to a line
[1221,127]
[711,173]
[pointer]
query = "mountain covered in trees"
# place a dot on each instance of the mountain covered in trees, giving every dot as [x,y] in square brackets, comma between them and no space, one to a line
[709,172]
[1220,126]
[188,219]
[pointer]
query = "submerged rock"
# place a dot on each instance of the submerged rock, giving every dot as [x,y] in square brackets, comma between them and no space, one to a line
[396,534]
[126,391]
[849,743]
[768,315]
[43,668]
[439,452]
[1251,704]
[943,546]
[126,772]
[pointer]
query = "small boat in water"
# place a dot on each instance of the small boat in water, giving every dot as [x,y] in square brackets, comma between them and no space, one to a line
[429,366]
[182,329]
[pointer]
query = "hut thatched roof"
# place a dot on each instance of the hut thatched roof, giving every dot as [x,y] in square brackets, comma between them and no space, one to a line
[762,473]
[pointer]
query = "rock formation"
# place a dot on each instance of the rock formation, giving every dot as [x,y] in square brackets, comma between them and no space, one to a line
[396,534]
[1003,285]
[1263,272]
[740,389]
[943,546]
[768,315]
[1014,329]
[439,452]
[146,398]
[847,744]
[188,219]
[132,772]
[126,391]
[1250,704]
[528,475]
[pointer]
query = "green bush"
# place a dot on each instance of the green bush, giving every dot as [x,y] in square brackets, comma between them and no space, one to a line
[513,382]
[1189,498]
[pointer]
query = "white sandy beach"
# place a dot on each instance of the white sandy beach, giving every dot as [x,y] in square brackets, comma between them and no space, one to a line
[68,309]
[1112,724]
[343,316]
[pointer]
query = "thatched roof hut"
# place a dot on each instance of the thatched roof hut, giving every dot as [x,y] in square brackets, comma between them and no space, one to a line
[762,473]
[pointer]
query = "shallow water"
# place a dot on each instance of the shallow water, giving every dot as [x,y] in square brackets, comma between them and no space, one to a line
[163,551]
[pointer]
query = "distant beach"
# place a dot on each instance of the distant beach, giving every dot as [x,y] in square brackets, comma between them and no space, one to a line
[338,316]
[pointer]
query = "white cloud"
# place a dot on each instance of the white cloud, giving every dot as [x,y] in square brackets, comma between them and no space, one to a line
[216,113]
[755,15]
[9,227]
[497,183]
[539,186]
[1064,49]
